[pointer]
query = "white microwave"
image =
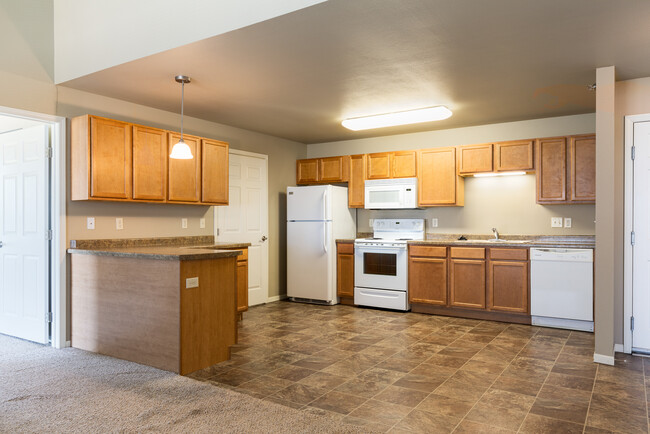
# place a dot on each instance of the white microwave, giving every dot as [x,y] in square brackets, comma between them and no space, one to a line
[400,193]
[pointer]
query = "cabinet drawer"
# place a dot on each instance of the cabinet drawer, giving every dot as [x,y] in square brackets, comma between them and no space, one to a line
[428,251]
[244,255]
[345,248]
[509,254]
[468,252]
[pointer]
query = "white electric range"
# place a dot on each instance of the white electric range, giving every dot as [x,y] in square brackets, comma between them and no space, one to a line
[381,263]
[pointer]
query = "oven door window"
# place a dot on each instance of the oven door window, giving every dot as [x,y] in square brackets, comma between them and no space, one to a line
[384,264]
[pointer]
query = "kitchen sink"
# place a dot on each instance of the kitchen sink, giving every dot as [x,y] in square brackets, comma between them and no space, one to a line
[499,241]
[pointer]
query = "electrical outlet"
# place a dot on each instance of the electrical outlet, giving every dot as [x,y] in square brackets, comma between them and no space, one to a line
[371,222]
[556,222]
[119,223]
[192,282]
[90,223]
[567,222]
[434,222]
[184,223]
[202,223]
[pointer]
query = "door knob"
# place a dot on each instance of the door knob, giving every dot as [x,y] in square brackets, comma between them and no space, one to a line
[264,238]
[0,243]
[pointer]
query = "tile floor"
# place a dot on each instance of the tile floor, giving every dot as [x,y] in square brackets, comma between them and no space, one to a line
[405,372]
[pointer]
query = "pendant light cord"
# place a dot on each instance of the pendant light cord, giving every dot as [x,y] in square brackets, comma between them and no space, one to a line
[182,103]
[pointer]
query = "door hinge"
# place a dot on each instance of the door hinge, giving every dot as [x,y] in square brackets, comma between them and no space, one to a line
[632,238]
[48,317]
[632,323]
[48,235]
[218,230]
[633,152]
[48,153]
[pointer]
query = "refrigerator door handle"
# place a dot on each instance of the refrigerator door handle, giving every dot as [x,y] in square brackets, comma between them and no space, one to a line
[325,237]
[325,205]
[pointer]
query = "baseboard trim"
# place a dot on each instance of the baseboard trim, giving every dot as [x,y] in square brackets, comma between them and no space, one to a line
[275,298]
[603,359]
[619,348]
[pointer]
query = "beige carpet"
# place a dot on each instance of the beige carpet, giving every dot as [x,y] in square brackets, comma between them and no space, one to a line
[47,390]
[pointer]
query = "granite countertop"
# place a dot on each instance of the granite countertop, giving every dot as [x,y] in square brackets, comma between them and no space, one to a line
[572,241]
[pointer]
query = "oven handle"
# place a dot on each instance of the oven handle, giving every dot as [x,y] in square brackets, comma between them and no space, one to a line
[368,248]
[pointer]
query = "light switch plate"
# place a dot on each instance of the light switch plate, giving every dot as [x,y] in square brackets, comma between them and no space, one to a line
[184,223]
[434,222]
[119,223]
[90,223]
[567,222]
[202,223]
[192,282]
[556,222]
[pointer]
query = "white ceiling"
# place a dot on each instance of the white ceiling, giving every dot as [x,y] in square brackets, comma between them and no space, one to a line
[298,75]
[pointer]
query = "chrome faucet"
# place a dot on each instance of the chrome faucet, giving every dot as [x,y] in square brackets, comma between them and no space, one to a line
[496,233]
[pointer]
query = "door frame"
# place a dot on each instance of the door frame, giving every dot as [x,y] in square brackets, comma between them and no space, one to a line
[628,251]
[57,189]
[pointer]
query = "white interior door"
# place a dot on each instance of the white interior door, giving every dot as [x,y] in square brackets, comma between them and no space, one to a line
[24,218]
[246,218]
[641,248]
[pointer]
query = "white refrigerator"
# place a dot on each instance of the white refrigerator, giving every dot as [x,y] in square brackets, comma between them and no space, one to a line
[316,217]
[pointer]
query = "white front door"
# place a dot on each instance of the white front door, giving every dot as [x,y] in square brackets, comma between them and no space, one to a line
[246,218]
[24,217]
[641,248]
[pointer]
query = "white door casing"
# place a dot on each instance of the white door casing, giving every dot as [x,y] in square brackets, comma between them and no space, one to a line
[24,222]
[246,219]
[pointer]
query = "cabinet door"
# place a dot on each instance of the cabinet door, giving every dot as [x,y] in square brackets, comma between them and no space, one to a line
[467,283]
[307,171]
[242,281]
[475,159]
[356,183]
[404,164]
[516,155]
[551,173]
[149,163]
[214,172]
[428,280]
[110,158]
[582,158]
[378,166]
[438,183]
[184,175]
[345,270]
[508,286]
[334,169]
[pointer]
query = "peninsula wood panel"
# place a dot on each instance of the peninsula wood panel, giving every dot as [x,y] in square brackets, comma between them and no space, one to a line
[404,164]
[185,175]
[334,169]
[140,321]
[345,270]
[475,158]
[149,163]
[508,286]
[582,158]
[428,280]
[110,158]
[378,165]
[208,313]
[514,156]
[307,171]
[438,182]
[467,283]
[356,182]
[214,172]
[242,281]
[551,170]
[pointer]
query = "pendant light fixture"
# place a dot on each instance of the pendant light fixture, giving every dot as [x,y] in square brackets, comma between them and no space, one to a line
[181,151]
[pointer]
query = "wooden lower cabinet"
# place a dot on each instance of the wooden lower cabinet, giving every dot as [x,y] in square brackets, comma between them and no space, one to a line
[345,270]
[428,275]
[242,281]
[508,286]
[467,283]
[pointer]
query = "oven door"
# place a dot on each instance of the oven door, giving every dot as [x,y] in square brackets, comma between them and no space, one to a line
[380,267]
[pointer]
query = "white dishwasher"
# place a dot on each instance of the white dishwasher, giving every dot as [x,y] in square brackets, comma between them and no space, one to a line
[562,288]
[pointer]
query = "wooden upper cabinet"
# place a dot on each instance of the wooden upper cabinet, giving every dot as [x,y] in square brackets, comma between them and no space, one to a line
[149,163]
[307,171]
[334,169]
[356,182]
[551,170]
[582,164]
[404,164]
[185,175]
[428,275]
[438,183]
[514,156]
[378,165]
[214,172]
[475,159]
[109,145]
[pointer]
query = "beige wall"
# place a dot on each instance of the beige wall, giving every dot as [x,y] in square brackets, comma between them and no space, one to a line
[632,98]
[507,203]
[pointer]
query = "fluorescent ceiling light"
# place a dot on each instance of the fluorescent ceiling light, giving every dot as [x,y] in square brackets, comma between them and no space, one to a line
[486,175]
[428,114]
